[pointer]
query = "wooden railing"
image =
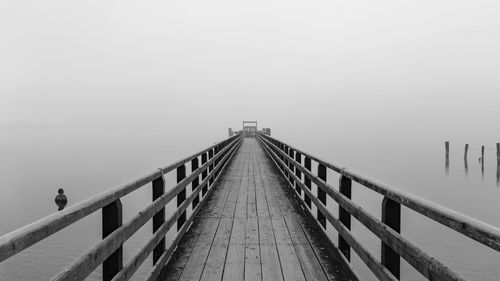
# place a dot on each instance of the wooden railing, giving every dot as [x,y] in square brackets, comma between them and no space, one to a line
[293,163]
[108,251]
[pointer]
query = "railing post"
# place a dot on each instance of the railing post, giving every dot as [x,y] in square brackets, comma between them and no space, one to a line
[278,147]
[159,218]
[216,151]
[181,174]
[204,188]
[321,194]
[298,159]
[291,166]
[195,182]
[211,166]
[112,217]
[391,216]
[344,216]
[287,152]
[307,180]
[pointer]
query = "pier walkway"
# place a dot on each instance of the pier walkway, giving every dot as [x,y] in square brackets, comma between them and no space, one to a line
[252,207]
[252,228]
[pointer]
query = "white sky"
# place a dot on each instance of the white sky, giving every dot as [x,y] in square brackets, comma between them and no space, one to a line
[346,69]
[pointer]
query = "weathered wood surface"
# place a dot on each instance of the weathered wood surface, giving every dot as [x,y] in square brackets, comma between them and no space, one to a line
[428,266]
[24,237]
[483,233]
[252,228]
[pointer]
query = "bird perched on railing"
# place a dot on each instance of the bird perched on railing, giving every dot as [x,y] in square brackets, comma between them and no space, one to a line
[61,199]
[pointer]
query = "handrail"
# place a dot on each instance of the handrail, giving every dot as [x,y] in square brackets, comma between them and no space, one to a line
[214,159]
[387,229]
[480,231]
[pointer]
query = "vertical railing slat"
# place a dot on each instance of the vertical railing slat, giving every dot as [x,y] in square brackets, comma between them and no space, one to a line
[195,182]
[291,154]
[298,159]
[204,160]
[211,166]
[112,218]
[181,174]
[159,218]
[307,180]
[391,216]
[344,216]
[321,194]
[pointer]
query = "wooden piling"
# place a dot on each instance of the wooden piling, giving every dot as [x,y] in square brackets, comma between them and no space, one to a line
[498,152]
[482,160]
[447,148]
[466,150]
[447,159]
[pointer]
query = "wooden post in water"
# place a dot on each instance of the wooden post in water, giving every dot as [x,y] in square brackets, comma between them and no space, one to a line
[112,218]
[466,165]
[391,216]
[482,160]
[498,163]
[498,152]
[181,197]
[344,216]
[321,194]
[447,159]
[159,218]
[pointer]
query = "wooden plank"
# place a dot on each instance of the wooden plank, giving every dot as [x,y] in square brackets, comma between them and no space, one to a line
[155,274]
[242,204]
[214,267]
[232,199]
[196,262]
[252,200]
[324,248]
[252,251]
[265,172]
[271,268]
[319,245]
[310,265]
[234,269]
[261,200]
[290,263]
[212,208]
[180,257]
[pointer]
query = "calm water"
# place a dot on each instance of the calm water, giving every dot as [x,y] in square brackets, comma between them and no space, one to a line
[34,165]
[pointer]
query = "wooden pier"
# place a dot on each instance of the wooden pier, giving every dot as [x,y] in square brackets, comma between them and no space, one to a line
[253,228]
[251,208]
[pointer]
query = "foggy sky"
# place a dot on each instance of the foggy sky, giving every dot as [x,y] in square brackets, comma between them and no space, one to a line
[343,70]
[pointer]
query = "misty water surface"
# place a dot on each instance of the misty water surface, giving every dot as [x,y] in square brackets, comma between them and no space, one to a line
[35,164]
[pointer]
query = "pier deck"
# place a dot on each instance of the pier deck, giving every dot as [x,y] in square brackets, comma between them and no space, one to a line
[252,228]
